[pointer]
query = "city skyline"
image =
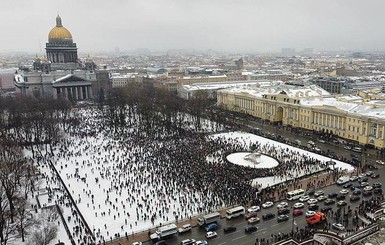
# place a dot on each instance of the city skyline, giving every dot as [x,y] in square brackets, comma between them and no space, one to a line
[226,25]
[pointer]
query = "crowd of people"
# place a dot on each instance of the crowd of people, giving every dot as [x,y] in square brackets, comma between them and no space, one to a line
[131,181]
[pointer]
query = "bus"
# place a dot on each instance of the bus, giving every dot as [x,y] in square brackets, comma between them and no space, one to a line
[294,195]
[235,212]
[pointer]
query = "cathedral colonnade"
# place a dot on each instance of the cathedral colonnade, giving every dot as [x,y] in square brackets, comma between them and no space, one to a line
[75,92]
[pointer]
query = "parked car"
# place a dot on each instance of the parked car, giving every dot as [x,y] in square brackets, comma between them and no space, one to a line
[268,216]
[298,205]
[338,226]
[161,242]
[267,204]
[347,185]
[283,211]
[332,195]
[253,209]
[310,192]
[312,201]
[250,215]
[326,209]
[329,201]
[344,191]
[377,185]
[250,229]
[356,192]
[377,191]
[304,198]
[310,213]
[341,203]
[188,242]
[321,198]
[340,197]
[313,207]
[184,228]
[282,205]
[318,193]
[375,175]
[354,198]
[353,178]
[229,229]
[282,217]
[297,212]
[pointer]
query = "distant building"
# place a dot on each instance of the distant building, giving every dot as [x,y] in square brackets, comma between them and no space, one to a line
[6,79]
[288,52]
[331,85]
[60,73]
[202,79]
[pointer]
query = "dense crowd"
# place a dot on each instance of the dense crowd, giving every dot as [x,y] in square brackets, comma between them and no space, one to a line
[124,180]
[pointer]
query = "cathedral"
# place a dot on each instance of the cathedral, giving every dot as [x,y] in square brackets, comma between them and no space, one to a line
[60,73]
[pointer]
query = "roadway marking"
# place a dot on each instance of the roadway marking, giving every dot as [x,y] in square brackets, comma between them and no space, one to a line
[238,238]
[232,233]
[222,243]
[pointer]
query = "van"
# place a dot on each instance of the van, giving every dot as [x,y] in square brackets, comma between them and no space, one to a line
[357,149]
[211,227]
[184,228]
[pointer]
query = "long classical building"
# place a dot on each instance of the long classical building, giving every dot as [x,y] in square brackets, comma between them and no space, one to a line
[60,73]
[309,107]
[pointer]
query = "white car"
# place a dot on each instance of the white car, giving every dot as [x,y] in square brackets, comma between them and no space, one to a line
[380,162]
[310,213]
[253,209]
[253,220]
[312,201]
[282,205]
[187,242]
[344,192]
[267,204]
[353,178]
[318,193]
[322,198]
[338,226]
[184,228]
[304,198]
[203,242]
[368,188]
[211,234]
[137,243]
[298,205]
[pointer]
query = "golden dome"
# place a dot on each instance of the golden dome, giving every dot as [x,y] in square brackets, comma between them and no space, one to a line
[59,32]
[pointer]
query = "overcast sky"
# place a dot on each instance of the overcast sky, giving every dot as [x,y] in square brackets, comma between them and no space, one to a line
[226,25]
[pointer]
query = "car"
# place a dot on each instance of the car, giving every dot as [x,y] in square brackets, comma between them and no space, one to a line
[310,213]
[354,187]
[250,229]
[310,192]
[282,217]
[304,198]
[319,193]
[375,175]
[354,198]
[267,204]
[321,141]
[282,205]
[377,191]
[363,179]
[250,215]
[230,228]
[312,201]
[340,197]
[329,201]
[332,195]
[268,216]
[211,234]
[253,209]
[379,162]
[368,188]
[344,191]
[253,220]
[367,193]
[353,178]
[188,242]
[356,192]
[326,209]
[137,243]
[298,205]
[161,242]
[341,203]
[297,212]
[184,228]
[321,198]
[313,207]
[364,183]
[369,173]
[338,226]
[347,185]
[377,185]
[283,211]
[202,242]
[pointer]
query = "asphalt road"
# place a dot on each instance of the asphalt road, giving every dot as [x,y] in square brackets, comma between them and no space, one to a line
[266,228]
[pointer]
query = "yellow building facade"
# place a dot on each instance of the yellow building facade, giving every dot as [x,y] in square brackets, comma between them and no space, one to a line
[311,110]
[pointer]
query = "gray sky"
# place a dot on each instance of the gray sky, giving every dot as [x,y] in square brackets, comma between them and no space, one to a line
[227,25]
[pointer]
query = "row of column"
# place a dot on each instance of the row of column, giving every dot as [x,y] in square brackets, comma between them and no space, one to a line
[328,120]
[77,93]
[62,57]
